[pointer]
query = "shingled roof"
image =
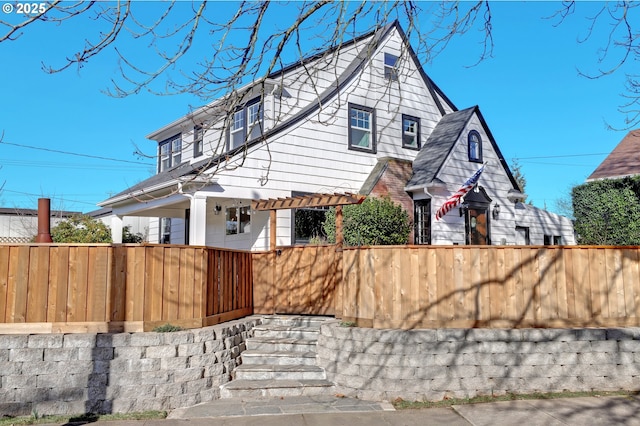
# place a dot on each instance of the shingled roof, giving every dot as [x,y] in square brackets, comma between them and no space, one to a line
[436,150]
[440,143]
[623,161]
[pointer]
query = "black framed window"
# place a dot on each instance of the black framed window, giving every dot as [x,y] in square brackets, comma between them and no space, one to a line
[422,221]
[170,152]
[390,67]
[475,147]
[410,132]
[552,240]
[198,141]
[246,123]
[362,128]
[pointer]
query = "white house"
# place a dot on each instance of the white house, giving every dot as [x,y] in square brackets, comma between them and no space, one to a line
[362,118]
[21,225]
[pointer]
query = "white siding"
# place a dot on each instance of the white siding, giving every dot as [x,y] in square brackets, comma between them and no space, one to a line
[541,222]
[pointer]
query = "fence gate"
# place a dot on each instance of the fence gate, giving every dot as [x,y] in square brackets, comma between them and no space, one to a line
[298,280]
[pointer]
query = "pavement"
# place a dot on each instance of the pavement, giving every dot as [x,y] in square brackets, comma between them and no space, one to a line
[336,411]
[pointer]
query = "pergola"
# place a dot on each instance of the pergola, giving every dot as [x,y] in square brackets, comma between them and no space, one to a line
[306,201]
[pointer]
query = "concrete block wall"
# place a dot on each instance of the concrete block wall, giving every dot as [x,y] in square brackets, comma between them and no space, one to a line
[433,364]
[117,373]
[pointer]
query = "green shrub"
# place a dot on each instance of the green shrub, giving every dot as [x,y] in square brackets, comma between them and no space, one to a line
[377,221]
[81,229]
[608,211]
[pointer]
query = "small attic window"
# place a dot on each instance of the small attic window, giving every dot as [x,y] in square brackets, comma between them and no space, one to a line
[475,147]
[390,69]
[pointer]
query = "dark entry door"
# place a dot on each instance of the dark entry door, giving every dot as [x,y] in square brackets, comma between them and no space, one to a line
[477,226]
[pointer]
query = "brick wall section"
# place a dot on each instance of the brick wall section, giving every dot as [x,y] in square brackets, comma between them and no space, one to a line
[392,183]
[118,373]
[434,364]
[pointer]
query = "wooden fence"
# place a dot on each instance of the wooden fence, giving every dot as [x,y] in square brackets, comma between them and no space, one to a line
[493,286]
[75,288]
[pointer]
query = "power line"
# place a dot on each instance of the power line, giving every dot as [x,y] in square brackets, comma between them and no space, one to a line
[55,197]
[560,156]
[75,153]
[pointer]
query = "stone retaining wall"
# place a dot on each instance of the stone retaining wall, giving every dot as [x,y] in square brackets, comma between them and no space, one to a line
[117,373]
[434,364]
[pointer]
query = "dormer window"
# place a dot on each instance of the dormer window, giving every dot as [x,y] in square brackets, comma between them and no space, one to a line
[246,123]
[170,152]
[390,69]
[475,147]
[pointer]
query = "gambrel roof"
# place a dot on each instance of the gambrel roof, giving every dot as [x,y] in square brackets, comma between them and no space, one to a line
[431,158]
[622,161]
[186,170]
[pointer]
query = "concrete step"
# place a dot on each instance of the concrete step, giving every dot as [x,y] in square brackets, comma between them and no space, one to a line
[256,389]
[269,344]
[279,372]
[294,320]
[278,358]
[282,331]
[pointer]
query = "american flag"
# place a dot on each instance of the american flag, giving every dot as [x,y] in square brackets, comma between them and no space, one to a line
[456,198]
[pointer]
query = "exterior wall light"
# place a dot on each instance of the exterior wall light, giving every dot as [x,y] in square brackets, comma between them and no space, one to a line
[217,209]
[496,211]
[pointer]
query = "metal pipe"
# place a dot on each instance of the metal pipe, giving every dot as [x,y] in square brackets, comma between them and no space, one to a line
[44,221]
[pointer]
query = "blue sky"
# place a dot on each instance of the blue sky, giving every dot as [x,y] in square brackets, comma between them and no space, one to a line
[529,92]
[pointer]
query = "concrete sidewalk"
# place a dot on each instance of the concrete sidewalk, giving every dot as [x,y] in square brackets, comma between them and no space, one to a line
[332,411]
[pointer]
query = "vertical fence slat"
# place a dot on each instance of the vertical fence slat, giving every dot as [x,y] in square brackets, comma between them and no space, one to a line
[37,290]
[97,276]
[117,311]
[631,278]
[4,280]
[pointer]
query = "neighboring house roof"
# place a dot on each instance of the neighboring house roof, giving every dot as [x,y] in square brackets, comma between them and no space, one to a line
[622,161]
[171,176]
[7,211]
[432,156]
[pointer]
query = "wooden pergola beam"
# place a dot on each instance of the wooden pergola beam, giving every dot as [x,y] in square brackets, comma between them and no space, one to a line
[308,201]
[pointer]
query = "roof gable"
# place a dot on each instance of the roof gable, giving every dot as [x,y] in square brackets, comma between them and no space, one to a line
[622,161]
[433,155]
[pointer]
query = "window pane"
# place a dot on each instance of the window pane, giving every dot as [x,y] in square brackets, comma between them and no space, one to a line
[198,142]
[237,139]
[308,224]
[360,119]
[422,222]
[360,138]
[410,133]
[390,70]
[232,221]
[245,220]
[390,59]
[165,156]
[474,146]
[237,121]
[254,113]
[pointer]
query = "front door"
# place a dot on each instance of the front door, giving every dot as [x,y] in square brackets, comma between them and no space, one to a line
[477,228]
